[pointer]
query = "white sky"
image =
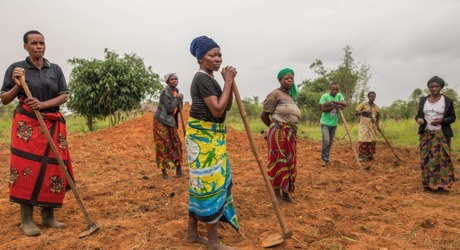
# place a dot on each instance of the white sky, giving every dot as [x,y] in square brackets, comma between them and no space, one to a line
[405,42]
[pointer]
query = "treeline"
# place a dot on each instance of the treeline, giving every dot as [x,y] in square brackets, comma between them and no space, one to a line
[406,109]
[353,79]
[351,76]
[116,85]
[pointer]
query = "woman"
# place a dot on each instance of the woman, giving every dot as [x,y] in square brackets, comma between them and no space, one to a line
[168,147]
[281,114]
[35,177]
[369,122]
[435,114]
[210,176]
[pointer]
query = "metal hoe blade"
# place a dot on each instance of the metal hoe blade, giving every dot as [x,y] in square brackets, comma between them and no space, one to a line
[91,229]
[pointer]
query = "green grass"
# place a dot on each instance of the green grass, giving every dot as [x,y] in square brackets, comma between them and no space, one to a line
[399,133]
[75,124]
[5,129]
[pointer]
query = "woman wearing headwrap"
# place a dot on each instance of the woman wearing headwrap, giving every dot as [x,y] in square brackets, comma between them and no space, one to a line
[281,114]
[168,147]
[210,176]
[435,114]
[369,122]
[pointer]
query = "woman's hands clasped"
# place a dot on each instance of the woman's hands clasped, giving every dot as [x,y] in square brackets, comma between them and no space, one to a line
[229,73]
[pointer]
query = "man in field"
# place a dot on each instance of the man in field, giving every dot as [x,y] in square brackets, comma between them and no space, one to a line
[329,103]
[35,176]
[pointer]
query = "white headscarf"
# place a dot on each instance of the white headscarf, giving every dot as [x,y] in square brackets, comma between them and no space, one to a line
[169,75]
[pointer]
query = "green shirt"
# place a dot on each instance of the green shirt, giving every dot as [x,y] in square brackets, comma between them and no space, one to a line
[330,118]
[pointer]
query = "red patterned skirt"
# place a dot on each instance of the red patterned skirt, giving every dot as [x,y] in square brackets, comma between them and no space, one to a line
[36,178]
[281,142]
[168,147]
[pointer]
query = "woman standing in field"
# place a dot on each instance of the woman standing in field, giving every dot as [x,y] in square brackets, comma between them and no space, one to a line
[35,178]
[369,122]
[210,176]
[435,114]
[168,147]
[281,114]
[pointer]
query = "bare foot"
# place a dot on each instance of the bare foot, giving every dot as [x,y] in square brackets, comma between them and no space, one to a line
[196,239]
[30,229]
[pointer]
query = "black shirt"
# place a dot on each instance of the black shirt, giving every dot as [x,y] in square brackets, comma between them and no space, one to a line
[203,85]
[44,84]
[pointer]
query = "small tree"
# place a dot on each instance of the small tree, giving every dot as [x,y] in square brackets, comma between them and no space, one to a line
[351,76]
[105,88]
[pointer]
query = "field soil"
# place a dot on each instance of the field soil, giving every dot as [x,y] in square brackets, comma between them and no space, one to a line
[378,205]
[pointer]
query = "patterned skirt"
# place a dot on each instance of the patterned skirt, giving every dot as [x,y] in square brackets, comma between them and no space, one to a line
[210,180]
[366,150]
[36,178]
[281,142]
[168,148]
[437,170]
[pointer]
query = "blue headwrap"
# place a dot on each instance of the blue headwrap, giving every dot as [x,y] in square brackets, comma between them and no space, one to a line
[201,45]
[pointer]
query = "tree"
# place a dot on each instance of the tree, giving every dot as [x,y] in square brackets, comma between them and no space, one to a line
[251,106]
[351,76]
[106,88]
[411,106]
[401,109]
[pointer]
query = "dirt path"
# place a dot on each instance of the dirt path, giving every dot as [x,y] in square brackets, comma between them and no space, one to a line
[341,206]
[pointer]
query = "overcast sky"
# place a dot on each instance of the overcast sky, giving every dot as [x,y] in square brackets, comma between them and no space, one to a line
[405,42]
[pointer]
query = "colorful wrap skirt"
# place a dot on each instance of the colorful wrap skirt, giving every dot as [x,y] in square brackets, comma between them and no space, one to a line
[36,179]
[366,150]
[281,143]
[367,138]
[437,170]
[210,180]
[168,148]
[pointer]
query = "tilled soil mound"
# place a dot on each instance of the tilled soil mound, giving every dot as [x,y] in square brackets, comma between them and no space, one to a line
[378,205]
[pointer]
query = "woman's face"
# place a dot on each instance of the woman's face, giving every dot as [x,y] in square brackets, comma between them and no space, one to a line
[371,97]
[173,81]
[435,88]
[35,45]
[287,81]
[211,61]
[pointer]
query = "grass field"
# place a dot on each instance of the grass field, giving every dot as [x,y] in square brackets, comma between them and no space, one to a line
[401,133]
[75,124]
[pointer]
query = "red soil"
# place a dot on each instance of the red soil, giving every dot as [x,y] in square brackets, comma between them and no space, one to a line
[341,206]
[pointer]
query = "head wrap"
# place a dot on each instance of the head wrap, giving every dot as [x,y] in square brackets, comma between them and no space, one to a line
[293,90]
[437,79]
[169,75]
[201,45]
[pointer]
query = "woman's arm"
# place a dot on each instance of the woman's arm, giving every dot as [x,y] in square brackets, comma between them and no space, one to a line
[10,95]
[230,100]
[450,115]
[265,117]
[170,102]
[218,106]
[57,101]
[419,116]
